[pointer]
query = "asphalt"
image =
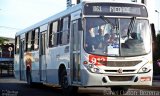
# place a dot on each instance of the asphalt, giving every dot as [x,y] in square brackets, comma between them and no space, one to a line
[155,85]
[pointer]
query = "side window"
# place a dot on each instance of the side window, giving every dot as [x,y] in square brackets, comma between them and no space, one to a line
[59,32]
[26,42]
[36,39]
[32,39]
[17,45]
[29,41]
[43,43]
[53,34]
[65,31]
[50,35]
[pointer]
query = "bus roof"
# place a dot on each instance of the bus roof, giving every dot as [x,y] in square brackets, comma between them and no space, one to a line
[52,18]
[66,12]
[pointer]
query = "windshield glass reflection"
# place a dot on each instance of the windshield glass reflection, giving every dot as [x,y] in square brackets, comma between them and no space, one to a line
[117,37]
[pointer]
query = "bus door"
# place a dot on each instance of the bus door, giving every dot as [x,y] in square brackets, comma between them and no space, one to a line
[22,66]
[75,52]
[42,56]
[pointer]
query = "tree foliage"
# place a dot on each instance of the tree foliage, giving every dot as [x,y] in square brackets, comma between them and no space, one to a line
[2,40]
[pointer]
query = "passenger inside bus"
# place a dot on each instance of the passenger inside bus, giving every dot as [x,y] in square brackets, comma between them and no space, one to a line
[112,39]
[100,38]
[133,41]
[124,32]
[90,40]
[106,42]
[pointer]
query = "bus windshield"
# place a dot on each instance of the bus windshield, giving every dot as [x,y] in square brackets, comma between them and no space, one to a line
[117,36]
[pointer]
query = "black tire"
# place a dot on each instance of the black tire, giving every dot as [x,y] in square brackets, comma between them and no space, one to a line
[66,88]
[119,90]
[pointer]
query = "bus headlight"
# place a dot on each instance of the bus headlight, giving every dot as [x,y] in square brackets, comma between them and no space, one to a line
[145,69]
[90,66]
[94,69]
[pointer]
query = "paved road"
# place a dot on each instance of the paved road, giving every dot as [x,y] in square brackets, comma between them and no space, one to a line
[12,87]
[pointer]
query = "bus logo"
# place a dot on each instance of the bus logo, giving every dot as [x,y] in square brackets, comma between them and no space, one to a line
[120,70]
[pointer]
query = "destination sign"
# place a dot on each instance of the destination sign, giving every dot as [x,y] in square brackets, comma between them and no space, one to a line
[115,9]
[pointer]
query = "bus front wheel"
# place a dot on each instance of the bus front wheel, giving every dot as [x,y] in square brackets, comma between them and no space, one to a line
[119,90]
[66,88]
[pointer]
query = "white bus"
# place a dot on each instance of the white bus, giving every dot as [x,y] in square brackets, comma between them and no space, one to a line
[92,44]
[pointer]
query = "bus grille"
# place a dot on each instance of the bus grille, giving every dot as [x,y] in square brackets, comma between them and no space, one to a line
[121,78]
[122,63]
[124,71]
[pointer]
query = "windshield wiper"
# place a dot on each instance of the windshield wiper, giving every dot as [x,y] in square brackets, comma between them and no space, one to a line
[131,25]
[107,21]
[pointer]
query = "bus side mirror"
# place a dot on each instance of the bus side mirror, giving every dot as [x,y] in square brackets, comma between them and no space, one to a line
[153,32]
[154,40]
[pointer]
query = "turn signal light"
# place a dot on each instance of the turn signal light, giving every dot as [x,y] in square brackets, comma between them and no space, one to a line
[85,62]
[145,79]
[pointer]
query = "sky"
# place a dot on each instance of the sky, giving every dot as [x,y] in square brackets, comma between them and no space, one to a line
[16,15]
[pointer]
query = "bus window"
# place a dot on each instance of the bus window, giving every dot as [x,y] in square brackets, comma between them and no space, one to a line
[43,27]
[43,46]
[17,45]
[53,34]
[26,42]
[65,31]
[29,41]
[32,40]
[36,39]
[59,33]
[50,36]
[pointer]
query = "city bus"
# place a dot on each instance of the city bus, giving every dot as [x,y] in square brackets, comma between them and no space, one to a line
[92,44]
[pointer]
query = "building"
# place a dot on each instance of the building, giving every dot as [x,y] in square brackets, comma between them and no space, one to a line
[7,56]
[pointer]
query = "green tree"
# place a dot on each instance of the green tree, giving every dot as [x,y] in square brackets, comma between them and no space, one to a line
[2,40]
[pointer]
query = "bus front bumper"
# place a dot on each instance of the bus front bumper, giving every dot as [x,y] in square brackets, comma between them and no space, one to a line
[93,79]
